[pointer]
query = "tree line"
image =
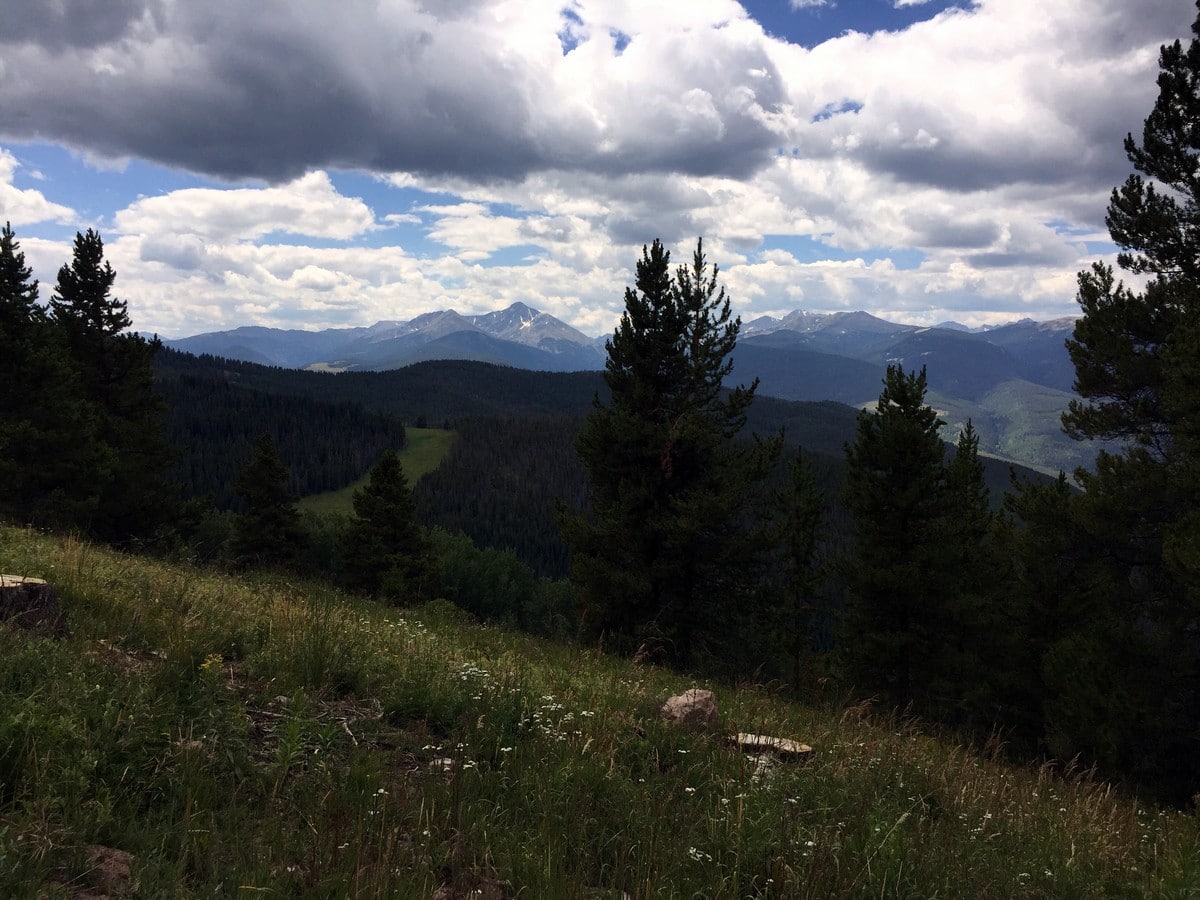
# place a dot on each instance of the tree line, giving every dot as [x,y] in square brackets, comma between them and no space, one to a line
[500,482]
[82,445]
[440,392]
[215,422]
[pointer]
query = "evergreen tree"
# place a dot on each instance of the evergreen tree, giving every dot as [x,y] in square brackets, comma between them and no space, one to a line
[896,495]
[969,491]
[975,580]
[1137,363]
[269,533]
[669,559]
[384,551]
[49,451]
[82,303]
[804,509]
[925,575]
[20,320]
[113,370]
[19,309]
[1059,690]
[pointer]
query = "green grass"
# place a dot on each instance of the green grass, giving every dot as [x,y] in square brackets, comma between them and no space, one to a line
[255,737]
[426,449]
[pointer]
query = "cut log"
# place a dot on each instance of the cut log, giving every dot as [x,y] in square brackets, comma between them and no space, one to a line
[31,604]
[785,748]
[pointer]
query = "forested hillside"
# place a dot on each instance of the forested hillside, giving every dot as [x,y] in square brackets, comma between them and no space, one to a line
[217,407]
[214,423]
[513,461]
[500,483]
[503,481]
[433,391]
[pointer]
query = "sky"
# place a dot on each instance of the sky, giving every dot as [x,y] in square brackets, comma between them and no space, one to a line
[310,164]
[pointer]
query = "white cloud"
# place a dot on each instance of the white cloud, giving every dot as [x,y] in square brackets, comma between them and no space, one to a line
[402,219]
[308,206]
[278,88]
[185,283]
[948,146]
[472,231]
[26,207]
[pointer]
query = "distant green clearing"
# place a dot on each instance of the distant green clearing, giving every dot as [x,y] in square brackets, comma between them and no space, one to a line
[426,449]
[1020,422]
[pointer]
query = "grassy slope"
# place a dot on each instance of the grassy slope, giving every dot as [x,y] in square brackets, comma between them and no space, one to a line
[1019,421]
[242,737]
[426,449]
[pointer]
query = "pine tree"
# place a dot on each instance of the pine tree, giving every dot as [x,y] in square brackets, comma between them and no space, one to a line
[113,370]
[804,510]
[20,320]
[896,496]
[82,303]
[49,451]
[668,559]
[1059,690]
[269,533]
[968,489]
[974,584]
[384,551]
[1137,363]
[19,309]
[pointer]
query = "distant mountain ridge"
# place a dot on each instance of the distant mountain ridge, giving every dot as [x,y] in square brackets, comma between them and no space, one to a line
[521,336]
[518,336]
[988,375]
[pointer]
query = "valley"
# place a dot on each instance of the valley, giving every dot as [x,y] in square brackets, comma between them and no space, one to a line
[1013,381]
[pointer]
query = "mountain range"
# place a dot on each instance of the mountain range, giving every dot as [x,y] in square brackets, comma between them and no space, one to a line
[1013,381]
[518,336]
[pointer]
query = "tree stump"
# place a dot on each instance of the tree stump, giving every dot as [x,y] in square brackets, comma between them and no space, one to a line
[31,604]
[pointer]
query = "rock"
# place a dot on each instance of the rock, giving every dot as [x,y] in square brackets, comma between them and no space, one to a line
[696,708]
[784,748]
[31,605]
[110,869]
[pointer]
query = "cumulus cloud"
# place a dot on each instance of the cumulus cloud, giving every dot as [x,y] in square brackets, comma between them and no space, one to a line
[308,206]
[581,131]
[177,279]
[279,87]
[72,23]
[23,207]
[1009,92]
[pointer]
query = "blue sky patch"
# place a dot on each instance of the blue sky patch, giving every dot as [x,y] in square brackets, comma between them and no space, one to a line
[811,25]
[568,35]
[811,250]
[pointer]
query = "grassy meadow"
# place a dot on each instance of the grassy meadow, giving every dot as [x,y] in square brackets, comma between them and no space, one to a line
[252,737]
[426,449]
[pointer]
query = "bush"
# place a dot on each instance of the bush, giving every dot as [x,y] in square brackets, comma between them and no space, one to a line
[494,585]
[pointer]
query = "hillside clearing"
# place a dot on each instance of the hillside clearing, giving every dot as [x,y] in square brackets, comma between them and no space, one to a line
[260,737]
[426,449]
